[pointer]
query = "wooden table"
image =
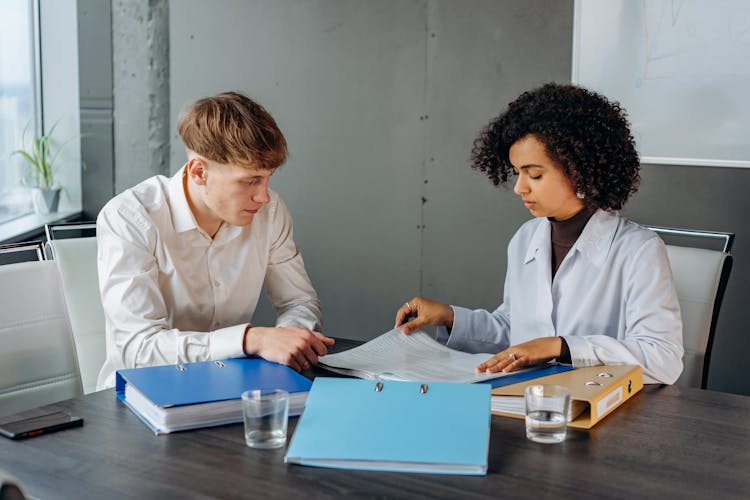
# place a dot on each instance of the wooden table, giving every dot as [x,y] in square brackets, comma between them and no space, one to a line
[664,443]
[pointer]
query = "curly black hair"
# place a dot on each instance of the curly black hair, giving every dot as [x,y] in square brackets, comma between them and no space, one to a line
[583,131]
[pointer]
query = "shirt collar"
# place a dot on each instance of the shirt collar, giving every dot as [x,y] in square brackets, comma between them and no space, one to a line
[593,243]
[540,240]
[182,217]
[596,238]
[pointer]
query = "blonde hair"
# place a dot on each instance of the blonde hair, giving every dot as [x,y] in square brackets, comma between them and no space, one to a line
[232,128]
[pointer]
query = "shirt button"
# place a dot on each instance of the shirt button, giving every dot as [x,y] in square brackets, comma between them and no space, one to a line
[217,284]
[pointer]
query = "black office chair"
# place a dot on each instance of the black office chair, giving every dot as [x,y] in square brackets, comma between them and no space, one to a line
[701,277]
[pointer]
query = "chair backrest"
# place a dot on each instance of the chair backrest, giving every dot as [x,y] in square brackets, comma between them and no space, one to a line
[38,362]
[59,230]
[10,253]
[700,277]
[76,260]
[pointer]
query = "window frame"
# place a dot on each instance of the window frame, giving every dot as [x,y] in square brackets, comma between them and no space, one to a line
[57,100]
[36,118]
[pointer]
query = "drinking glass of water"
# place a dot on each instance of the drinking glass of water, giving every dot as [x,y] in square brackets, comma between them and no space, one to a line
[547,409]
[266,412]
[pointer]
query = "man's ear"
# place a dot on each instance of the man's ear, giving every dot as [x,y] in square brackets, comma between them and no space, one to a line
[197,170]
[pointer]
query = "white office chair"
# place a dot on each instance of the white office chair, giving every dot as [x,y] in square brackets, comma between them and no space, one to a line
[76,261]
[38,362]
[700,276]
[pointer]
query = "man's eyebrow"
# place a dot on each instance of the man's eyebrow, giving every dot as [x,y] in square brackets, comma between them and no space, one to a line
[255,176]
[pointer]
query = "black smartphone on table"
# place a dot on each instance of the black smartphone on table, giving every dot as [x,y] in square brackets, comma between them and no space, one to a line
[36,426]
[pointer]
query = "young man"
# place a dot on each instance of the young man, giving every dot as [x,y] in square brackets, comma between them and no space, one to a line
[182,260]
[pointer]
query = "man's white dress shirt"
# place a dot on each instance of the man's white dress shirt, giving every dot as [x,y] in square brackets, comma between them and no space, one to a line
[612,299]
[172,294]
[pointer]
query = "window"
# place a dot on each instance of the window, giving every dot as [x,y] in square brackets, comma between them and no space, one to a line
[19,86]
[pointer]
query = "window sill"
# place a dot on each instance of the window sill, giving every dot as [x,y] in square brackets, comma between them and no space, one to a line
[31,226]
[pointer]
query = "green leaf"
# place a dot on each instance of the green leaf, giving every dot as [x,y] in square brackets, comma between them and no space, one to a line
[40,157]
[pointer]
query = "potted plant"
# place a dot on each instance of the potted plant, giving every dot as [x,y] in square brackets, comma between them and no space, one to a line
[40,174]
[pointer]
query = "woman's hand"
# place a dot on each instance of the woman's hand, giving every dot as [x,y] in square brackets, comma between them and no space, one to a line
[519,356]
[419,312]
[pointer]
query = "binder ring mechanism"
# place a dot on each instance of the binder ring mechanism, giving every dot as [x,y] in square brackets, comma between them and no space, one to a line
[594,383]
[422,388]
[182,368]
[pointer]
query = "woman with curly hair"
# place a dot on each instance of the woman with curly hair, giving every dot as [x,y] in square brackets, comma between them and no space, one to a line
[583,285]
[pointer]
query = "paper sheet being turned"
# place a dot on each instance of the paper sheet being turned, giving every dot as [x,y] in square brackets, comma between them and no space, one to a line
[415,357]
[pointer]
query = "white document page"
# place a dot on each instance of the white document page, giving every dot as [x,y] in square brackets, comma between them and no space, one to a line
[415,357]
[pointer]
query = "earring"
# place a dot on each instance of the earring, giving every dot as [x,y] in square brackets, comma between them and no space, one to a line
[580,195]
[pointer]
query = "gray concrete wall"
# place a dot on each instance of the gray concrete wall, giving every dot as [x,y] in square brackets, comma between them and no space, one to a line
[140,48]
[345,81]
[96,104]
[482,55]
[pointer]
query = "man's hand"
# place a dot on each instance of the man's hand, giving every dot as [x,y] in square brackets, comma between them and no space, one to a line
[423,312]
[295,347]
[522,355]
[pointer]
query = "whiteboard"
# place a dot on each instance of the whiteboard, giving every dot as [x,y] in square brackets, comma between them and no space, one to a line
[681,70]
